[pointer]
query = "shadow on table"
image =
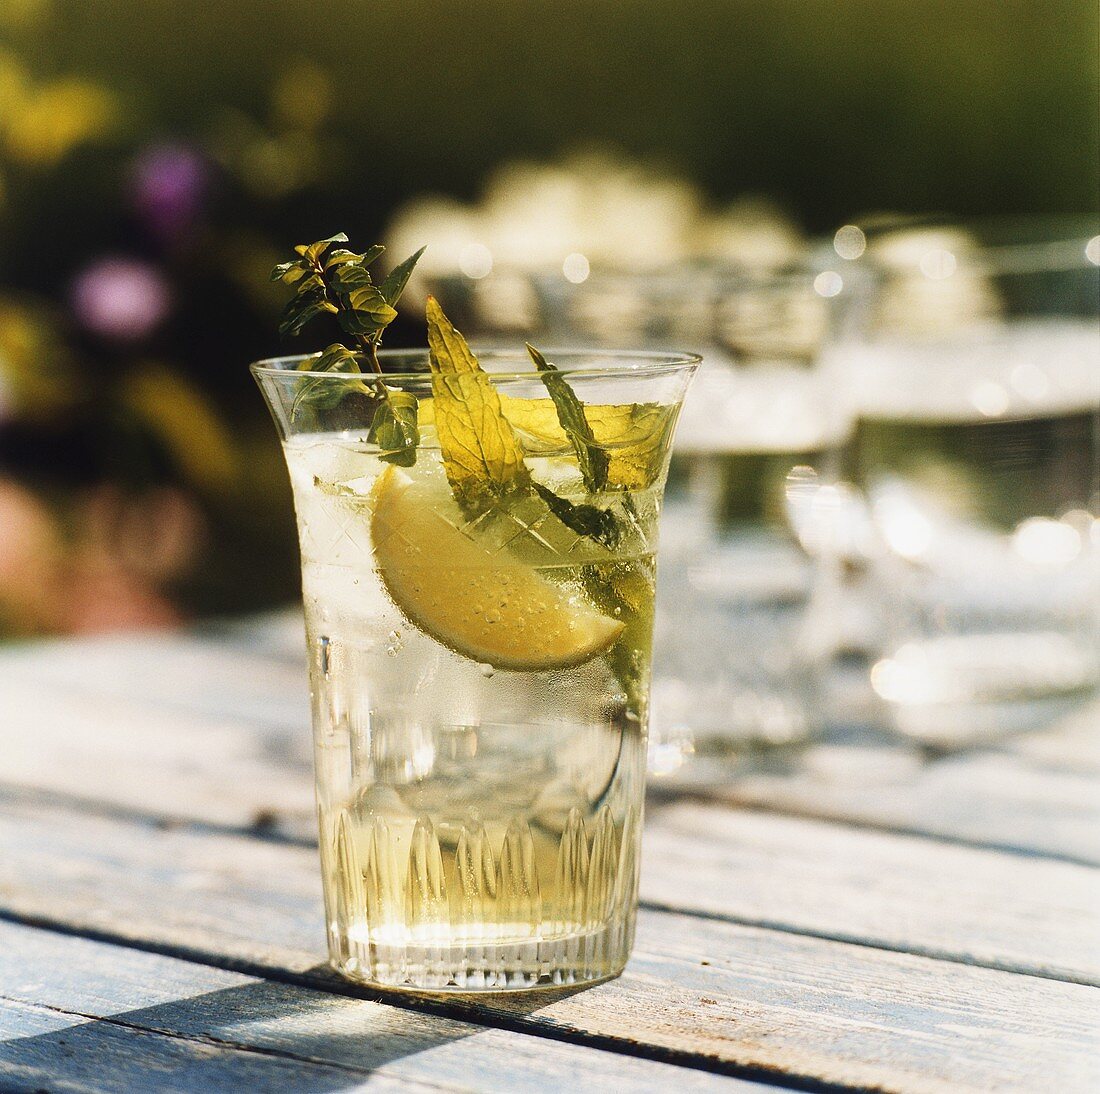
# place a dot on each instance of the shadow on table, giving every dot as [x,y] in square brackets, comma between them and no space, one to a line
[267,1036]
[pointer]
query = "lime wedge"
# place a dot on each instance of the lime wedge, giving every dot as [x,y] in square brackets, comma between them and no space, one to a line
[468,591]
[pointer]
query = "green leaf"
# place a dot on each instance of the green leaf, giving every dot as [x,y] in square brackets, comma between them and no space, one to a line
[481,454]
[312,252]
[363,308]
[349,278]
[591,457]
[398,278]
[303,307]
[334,358]
[586,520]
[394,425]
[321,393]
[342,257]
[290,272]
[625,589]
[394,428]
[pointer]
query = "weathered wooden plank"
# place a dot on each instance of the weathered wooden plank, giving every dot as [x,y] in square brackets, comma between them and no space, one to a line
[171,669]
[46,1050]
[898,892]
[139,756]
[1034,800]
[902,893]
[988,798]
[66,1000]
[721,993]
[851,884]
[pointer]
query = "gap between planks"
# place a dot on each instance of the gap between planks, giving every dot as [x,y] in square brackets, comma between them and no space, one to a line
[658,799]
[984,911]
[230,772]
[127,989]
[994,799]
[794,1006]
[322,980]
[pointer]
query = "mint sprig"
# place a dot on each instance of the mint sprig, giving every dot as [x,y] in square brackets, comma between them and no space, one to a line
[331,280]
[597,524]
[484,462]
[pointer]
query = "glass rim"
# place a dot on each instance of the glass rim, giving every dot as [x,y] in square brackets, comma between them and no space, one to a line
[637,364]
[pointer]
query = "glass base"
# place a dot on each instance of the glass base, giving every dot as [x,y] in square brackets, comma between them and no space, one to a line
[571,960]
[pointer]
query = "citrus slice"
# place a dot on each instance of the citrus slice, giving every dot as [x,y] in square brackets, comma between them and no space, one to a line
[472,595]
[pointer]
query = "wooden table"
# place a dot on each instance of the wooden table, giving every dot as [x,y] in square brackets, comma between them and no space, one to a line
[861,916]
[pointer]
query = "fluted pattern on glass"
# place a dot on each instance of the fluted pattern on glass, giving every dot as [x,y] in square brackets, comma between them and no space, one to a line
[451,912]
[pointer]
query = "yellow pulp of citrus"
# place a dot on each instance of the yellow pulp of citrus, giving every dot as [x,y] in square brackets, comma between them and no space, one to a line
[469,592]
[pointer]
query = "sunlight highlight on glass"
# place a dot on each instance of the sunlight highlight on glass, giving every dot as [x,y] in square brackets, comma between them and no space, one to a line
[828,283]
[476,261]
[849,242]
[576,268]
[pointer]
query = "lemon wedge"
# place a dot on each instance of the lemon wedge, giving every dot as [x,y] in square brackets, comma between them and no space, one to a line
[472,594]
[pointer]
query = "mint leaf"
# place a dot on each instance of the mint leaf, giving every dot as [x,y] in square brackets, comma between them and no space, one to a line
[398,278]
[341,257]
[362,309]
[395,428]
[320,393]
[625,589]
[334,358]
[586,520]
[335,281]
[311,252]
[307,304]
[481,455]
[591,458]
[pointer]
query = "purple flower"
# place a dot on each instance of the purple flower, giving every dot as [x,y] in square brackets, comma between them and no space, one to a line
[120,298]
[168,184]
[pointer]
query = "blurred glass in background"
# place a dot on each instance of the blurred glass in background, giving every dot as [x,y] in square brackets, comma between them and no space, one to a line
[976,385]
[750,576]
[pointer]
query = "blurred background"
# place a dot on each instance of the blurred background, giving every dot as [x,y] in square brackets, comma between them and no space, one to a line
[157,159]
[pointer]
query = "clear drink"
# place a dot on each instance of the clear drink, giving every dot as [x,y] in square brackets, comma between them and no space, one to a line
[480,700]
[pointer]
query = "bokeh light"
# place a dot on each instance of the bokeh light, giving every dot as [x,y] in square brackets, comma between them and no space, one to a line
[120,298]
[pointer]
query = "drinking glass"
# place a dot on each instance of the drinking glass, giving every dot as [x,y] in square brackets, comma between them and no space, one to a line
[750,583]
[977,388]
[480,681]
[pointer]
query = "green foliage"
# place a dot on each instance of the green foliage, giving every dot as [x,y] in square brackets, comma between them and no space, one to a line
[481,455]
[598,524]
[321,393]
[361,308]
[309,301]
[625,588]
[335,281]
[591,457]
[395,429]
[398,278]
[330,280]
